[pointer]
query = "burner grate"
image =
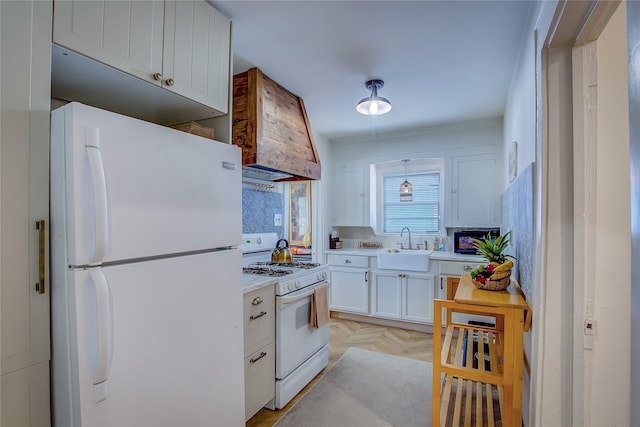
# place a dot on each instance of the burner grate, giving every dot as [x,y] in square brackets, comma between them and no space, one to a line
[266,271]
[295,264]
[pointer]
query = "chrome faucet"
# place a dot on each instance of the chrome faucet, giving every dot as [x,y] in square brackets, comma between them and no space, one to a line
[402,231]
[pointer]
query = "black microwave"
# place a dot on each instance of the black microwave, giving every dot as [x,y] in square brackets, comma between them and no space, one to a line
[462,243]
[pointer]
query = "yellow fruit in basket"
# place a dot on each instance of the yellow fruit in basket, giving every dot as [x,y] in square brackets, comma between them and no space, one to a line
[500,275]
[505,266]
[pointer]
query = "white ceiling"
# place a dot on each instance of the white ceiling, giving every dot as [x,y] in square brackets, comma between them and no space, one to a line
[441,61]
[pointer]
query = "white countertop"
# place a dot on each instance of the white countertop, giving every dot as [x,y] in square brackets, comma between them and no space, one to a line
[251,282]
[435,255]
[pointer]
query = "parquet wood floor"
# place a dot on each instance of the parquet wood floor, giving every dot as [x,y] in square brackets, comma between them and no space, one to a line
[348,333]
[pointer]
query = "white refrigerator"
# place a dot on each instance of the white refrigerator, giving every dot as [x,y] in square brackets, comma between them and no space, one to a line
[147,325]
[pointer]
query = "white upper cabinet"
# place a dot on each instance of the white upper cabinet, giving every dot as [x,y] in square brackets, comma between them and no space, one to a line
[196,52]
[127,35]
[474,196]
[351,196]
[181,46]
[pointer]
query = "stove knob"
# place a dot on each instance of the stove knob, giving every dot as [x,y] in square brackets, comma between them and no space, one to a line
[297,284]
[292,286]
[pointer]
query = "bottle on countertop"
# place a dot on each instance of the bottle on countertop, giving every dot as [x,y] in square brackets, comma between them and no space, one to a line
[436,243]
[441,244]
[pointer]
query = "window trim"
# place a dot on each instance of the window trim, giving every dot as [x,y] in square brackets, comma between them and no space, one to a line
[396,167]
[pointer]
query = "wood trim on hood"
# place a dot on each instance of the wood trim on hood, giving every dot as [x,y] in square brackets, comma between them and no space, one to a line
[271,126]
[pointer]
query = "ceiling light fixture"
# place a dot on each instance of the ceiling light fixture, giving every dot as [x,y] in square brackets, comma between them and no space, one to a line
[406,189]
[374,105]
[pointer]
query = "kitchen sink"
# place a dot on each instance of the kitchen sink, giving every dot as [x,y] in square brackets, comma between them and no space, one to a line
[404,259]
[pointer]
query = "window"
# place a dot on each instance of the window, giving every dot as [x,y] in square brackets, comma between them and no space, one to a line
[422,215]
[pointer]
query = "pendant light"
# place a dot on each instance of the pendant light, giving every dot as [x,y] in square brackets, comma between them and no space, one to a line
[374,105]
[406,189]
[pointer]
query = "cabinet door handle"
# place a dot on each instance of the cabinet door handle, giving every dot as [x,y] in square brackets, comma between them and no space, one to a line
[262,354]
[157,76]
[41,255]
[256,301]
[466,268]
[366,276]
[169,82]
[347,261]
[257,316]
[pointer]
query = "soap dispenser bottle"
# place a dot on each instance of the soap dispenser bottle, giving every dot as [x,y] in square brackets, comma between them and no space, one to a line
[436,243]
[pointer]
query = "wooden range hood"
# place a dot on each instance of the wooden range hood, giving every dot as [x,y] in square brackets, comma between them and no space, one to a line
[270,124]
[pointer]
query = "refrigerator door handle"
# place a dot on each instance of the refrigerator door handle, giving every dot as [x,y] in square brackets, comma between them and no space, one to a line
[103,333]
[99,184]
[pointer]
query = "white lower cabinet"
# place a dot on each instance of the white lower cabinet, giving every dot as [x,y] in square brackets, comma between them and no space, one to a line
[259,349]
[350,290]
[403,296]
[349,283]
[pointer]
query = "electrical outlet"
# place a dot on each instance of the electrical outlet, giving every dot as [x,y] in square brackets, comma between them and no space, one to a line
[277,219]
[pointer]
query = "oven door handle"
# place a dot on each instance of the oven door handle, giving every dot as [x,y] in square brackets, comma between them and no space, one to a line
[288,299]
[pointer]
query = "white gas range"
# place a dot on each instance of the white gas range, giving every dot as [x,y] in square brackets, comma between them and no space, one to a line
[302,351]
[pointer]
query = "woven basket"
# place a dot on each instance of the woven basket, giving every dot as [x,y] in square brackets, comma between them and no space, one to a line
[494,285]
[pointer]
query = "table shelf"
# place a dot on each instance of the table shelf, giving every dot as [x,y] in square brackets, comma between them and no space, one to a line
[478,376]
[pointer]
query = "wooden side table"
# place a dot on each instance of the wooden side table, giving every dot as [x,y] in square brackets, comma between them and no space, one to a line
[474,383]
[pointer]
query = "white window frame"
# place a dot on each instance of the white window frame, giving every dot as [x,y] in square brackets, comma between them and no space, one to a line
[396,167]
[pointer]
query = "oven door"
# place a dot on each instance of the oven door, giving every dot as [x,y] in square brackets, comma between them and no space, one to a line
[296,340]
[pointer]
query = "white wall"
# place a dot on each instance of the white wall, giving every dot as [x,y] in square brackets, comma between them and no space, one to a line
[520,112]
[443,142]
[482,136]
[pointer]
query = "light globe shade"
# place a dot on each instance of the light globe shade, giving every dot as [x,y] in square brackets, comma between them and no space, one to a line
[373,107]
[406,191]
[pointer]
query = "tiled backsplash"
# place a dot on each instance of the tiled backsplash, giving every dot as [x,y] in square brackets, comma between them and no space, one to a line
[258,209]
[517,216]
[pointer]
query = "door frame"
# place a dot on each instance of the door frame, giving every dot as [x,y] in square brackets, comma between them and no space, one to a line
[565,245]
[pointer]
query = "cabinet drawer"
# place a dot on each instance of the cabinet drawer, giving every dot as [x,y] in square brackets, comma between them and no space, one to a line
[259,328]
[259,320]
[456,268]
[361,261]
[259,298]
[259,379]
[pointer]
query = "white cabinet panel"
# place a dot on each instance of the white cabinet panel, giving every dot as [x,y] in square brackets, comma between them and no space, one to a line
[25,397]
[259,379]
[403,296]
[196,52]
[418,298]
[259,349]
[351,196]
[474,200]
[182,46]
[26,94]
[349,290]
[126,35]
[387,295]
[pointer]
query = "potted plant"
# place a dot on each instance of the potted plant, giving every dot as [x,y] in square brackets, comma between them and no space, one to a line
[496,274]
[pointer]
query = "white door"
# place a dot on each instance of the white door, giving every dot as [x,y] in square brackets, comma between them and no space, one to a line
[26,96]
[126,35]
[473,200]
[156,343]
[418,295]
[349,197]
[196,53]
[387,295]
[350,290]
